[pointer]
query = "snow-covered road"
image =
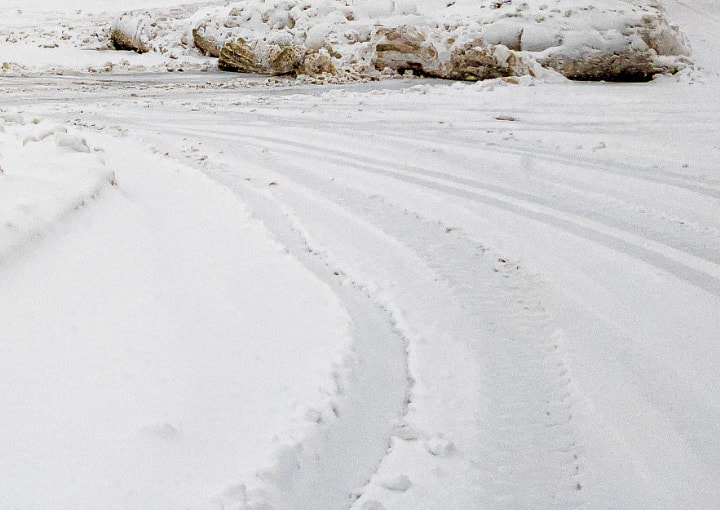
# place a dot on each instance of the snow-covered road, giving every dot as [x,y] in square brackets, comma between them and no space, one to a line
[405,295]
[554,271]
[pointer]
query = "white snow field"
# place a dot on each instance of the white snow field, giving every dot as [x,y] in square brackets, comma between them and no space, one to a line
[228,292]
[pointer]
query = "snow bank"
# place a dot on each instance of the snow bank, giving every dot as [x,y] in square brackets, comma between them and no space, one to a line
[77,40]
[45,172]
[461,39]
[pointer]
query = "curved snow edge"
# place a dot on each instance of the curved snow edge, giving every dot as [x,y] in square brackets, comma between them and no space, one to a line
[46,175]
[339,443]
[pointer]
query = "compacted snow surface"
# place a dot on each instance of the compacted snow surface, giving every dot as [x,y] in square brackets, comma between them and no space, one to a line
[220,291]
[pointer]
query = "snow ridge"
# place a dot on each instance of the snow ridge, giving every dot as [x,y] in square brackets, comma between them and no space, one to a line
[46,174]
[325,464]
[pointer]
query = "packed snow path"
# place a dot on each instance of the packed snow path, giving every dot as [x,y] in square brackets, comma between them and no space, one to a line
[552,271]
[406,295]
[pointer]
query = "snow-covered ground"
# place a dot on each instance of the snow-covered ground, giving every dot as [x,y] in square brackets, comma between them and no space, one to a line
[221,291]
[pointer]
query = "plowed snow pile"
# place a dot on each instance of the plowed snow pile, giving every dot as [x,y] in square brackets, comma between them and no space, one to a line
[616,40]
[45,173]
[462,40]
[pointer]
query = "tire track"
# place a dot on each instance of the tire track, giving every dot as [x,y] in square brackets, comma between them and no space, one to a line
[702,185]
[325,467]
[598,202]
[698,185]
[528,452]
[523,450]
[663,237]
[530,457]
[700,273]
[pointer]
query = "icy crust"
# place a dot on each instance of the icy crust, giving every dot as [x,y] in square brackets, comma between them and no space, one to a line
[45,172]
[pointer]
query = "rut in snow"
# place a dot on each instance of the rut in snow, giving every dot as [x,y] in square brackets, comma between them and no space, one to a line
[325,467]
[647,245]
[528,455]
[526,450]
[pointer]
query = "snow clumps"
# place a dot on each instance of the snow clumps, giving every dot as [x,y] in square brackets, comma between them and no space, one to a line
[618,40]
[131,32]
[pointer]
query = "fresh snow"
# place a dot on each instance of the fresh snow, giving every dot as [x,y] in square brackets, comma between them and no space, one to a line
[46,173]
[230,292]
[135,341]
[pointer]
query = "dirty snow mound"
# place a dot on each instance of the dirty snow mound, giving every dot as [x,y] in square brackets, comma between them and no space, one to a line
[618,40]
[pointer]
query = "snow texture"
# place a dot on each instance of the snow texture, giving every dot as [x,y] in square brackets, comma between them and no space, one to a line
[553,33]
[222,291]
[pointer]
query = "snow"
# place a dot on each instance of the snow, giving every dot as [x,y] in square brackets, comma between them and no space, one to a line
[45,175]
[223,291]
[134,346]
[349,30]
